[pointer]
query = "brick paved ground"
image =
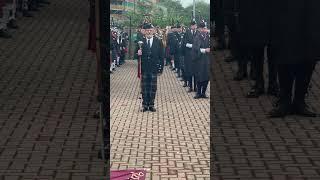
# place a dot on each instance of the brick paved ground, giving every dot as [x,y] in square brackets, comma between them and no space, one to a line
[47,97]
[173,143]
[249,146]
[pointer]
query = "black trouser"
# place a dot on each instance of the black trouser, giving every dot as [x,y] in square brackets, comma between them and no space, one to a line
[300,74]
[202,87]
[258,62]
[272,71]
[176,61]
[189,80]
[219,31]
[182,66]
[168,57]
[122,57]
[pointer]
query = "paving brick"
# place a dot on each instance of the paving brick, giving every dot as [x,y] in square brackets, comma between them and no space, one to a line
[244,140]
[165,141]
[47,80]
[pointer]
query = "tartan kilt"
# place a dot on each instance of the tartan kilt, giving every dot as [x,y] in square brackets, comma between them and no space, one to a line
[149,87]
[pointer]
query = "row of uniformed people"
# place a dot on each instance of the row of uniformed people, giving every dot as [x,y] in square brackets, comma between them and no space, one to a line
[289,30]
[189,62]
[8,12]
[118,44]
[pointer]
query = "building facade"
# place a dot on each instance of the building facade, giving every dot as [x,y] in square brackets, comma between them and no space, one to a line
[118,8]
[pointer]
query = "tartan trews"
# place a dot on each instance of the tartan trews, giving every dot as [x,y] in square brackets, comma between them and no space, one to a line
[149,88]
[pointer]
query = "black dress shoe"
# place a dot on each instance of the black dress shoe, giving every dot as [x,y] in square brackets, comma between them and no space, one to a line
[145,109]
[204,96]
[280,110]
[198,96]
[303,110]
[96,115]
[13,24]
[152,109]
[189,90]
[240,76]
[255,92]
[273,91]
[27,14]
[229,58]
[5,34]
[34,9]
[185,84]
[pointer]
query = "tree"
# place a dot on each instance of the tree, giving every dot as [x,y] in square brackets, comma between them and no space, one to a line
[203,8]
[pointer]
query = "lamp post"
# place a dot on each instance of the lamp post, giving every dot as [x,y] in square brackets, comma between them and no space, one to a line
[103,68]
[194,9]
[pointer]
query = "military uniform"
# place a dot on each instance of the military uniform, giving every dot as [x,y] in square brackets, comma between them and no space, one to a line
[123,48]
[253,36]
[169,44]
[294,44]
[189,62]
[175,50]
[3,21]
[218,16]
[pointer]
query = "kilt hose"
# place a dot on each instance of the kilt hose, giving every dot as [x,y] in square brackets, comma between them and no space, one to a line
[149,88]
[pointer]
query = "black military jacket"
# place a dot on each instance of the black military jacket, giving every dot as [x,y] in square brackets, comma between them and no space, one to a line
[152,58]
[295,31]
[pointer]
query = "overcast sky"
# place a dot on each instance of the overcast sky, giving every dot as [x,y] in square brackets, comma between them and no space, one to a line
[186,3]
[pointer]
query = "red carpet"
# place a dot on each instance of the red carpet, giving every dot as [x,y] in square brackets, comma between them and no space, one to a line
[128,175]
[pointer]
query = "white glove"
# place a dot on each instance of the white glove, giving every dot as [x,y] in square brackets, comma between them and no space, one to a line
[203,51]
[189,45]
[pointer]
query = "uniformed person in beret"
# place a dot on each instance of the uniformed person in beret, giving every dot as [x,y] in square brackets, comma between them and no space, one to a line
[152,58]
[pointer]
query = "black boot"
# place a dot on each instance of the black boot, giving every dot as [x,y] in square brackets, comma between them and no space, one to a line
[281,109]
[273,89]
[242,71]
[204,89]
[198,94]
[13,24]
[302,109]
[5,34]
[256,91]
[190,85]
[26,14]
[152,109]
[185,83]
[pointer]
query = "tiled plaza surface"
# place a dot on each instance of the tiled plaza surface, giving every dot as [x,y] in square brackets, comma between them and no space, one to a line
[249,146]
[171,143]
[47,97]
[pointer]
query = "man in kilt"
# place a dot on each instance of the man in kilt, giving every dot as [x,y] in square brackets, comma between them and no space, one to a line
[152,58]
